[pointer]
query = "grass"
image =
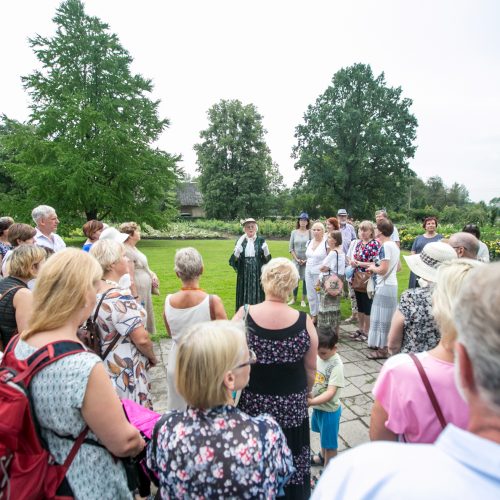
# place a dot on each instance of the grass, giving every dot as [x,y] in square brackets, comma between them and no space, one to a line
[218,277]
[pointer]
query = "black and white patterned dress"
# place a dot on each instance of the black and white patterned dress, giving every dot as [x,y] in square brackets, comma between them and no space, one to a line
[420,332]
[278,386]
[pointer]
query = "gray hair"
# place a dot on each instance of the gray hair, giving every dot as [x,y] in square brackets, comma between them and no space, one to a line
[41,212]
[107,253]
[188,263]
[466,240]
[478,327]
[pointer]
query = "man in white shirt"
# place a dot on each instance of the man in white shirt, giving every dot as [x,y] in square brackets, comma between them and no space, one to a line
[460,464]
[46,222]
[382,214]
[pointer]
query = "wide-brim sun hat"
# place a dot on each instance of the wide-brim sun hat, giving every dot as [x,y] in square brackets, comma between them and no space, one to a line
[111,233]
[425,264]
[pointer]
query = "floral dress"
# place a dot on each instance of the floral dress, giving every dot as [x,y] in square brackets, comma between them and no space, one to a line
[120,314]
[219,453]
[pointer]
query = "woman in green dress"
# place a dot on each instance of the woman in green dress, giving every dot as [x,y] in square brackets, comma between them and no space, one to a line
[250,254]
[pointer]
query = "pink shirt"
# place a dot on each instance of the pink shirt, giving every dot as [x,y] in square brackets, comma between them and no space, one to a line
[401,392]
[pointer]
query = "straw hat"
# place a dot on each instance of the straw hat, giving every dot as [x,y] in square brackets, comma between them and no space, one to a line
[426,263]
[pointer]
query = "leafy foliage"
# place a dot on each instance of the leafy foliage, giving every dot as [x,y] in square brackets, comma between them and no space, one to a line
[87,147]
[355,143]
[236,170]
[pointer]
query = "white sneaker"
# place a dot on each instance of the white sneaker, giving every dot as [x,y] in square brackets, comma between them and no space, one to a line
[292,302]
[303,303]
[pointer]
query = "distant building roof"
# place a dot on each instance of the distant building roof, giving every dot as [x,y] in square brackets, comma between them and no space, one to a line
[188,194]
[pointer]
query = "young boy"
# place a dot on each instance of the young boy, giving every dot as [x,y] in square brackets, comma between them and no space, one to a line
[326,394]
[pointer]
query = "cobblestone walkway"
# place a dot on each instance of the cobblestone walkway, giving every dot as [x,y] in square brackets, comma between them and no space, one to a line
[357,399]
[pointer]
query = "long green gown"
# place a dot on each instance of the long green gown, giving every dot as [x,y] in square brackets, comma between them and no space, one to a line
[248,286]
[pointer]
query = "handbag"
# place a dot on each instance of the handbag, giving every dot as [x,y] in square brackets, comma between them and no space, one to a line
[331,283]
[88,334]
[370,288]
[360,281]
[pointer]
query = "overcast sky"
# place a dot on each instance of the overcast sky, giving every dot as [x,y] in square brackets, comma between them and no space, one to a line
[280,55]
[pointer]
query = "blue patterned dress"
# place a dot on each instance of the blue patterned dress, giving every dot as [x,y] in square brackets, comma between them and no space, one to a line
[278,387]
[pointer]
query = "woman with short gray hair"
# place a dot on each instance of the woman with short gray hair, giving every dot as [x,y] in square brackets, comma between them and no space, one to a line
[188,306]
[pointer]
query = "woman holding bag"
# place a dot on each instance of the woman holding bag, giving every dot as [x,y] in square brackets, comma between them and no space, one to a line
[334,263]
[365,251]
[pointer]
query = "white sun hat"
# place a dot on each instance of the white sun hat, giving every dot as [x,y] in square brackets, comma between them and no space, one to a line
[425,264]
[111,233]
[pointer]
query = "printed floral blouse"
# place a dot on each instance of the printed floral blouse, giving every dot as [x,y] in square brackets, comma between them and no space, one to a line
[366,252]
[120,314]
[220,453]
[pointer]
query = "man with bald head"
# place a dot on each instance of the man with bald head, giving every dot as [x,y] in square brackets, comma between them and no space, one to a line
[465,245]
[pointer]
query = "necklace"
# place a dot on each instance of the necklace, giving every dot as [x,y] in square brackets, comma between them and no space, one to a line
[109,282]
[274,300]
[184,288]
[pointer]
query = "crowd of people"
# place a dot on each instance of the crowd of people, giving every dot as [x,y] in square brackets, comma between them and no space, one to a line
[243,395]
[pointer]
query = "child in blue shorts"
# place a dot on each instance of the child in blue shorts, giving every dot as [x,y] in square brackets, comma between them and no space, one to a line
[325,395]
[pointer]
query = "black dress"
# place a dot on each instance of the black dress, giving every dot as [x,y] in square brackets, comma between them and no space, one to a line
[248,286]
[278,387]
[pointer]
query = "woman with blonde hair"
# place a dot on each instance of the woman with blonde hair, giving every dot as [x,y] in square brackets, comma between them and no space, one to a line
[183,309]
[128,350]
[285,343]
[16,300]
[212,449]
[75,391]
[403,407]
[316,251]
[364,252]
[144,279]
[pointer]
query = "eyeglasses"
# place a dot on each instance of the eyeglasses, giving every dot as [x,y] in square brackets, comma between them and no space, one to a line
[251,360]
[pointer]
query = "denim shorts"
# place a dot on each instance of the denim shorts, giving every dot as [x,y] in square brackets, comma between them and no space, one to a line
[327,424]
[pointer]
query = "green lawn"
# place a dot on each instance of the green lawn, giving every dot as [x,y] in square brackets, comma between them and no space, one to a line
[218,278]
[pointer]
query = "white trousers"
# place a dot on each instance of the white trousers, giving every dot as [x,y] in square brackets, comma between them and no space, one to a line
[312,294]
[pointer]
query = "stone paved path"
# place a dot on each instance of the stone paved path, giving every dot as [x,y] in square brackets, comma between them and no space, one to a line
[357,399]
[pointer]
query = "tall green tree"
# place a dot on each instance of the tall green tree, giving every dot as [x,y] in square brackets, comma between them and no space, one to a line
[88,146]
[355,142]
[237,173]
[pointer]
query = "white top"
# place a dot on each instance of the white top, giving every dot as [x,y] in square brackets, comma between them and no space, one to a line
[483,254]
[315,257]
[391,253]
[395,234]
[55,242]
[331,261]
[179,319]
[459,465]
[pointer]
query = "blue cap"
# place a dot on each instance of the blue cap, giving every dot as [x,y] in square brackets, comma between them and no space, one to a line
[304,215]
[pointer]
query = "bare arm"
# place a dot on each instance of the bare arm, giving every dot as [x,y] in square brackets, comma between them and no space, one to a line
[141,340]
[378,430]
[103,413]
[310,357]
[220,312]
[23,304]
[131,272]
[239,314]
[395,338]
[323,397]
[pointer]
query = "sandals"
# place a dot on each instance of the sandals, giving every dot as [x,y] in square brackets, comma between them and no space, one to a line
[356,334]
[361,338]
[378,354]
[317,459]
